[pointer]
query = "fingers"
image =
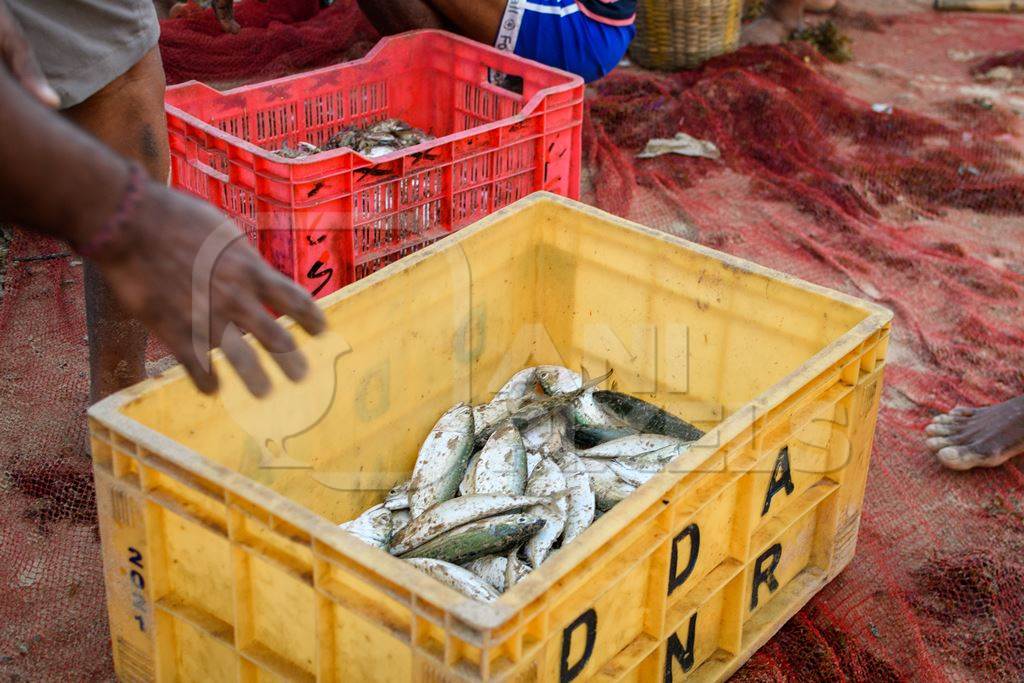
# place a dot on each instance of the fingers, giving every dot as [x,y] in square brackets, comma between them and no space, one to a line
[21,61]
[279,343]
[200,370]
[288,298]
[243,358]
[225,11]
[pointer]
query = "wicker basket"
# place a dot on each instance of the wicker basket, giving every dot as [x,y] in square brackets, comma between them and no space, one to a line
[674,34]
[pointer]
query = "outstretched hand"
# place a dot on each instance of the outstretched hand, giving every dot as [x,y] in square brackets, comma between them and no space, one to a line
[186,272]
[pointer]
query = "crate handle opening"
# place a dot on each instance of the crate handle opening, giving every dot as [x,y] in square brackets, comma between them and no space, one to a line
[506,81]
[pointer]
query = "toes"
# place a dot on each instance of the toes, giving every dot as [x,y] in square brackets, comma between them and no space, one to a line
[937,443]
[956,458]
[941,429]
[948,419]
[962,411]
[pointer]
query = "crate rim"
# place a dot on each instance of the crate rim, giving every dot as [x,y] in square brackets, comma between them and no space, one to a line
[574,81]
[478,615]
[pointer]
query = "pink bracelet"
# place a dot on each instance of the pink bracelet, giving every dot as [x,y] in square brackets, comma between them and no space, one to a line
[111,228]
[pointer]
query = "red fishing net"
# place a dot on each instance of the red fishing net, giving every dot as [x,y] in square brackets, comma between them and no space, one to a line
[277,37]
[897,177]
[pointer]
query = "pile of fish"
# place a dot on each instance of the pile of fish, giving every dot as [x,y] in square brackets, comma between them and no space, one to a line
[499,487]
[372,140]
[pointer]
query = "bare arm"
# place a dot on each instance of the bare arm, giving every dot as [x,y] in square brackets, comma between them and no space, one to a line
[173,262]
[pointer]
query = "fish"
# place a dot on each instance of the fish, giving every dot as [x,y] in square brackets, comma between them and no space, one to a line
[636,444]
[547,435]
[490,568]
[454,576]
[609,489]
[645,417]
[652,461]
[501,467]
[555,380]
[587,436]
[373,139]
[581,502]
[490,536]
[398,497]
[455,512]
[373,527]
[467,485]
[546,482]
[536,408]
[532,460]
[515,570]
[441,463]
[520,385]
[487,416]
[399,520]
[633,477]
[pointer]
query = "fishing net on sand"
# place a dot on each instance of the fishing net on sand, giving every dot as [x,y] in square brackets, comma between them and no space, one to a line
[921,212]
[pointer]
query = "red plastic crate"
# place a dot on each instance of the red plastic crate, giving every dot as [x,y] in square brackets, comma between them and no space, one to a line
[330,219]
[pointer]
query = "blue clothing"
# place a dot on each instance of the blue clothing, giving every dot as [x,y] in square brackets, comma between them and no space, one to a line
[557,33]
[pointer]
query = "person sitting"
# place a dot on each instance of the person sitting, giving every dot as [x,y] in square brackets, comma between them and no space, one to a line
[585,37]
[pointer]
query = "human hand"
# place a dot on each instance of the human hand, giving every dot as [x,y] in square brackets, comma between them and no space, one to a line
[225,12]
[16,54]
[188,274]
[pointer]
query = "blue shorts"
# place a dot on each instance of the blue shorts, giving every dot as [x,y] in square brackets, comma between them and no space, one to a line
[556,33]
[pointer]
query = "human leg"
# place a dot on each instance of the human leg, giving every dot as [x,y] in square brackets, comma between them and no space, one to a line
[127,115]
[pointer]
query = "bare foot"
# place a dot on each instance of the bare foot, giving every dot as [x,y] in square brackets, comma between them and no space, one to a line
[965,438]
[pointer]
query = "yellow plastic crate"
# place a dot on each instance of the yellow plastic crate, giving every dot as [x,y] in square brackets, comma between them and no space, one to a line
[217,515]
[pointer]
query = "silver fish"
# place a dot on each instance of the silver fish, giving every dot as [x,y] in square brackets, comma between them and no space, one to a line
[373,527]
[454,576]
[455,512]
[523,383]
[380,150]
[491,569]
[490,536]
[398,497]
[501,467]
[399,520]
[549,434]
[515,570]
[534,409]
[442,459]
[581,504]
[546,482]
[645,417]
[609,489]
[555,379]
[532,460]
[467,486]
[487,416]
[629,475]
[637,444]
[653,461]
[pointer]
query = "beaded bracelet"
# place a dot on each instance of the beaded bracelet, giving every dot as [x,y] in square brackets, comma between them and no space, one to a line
[126,206]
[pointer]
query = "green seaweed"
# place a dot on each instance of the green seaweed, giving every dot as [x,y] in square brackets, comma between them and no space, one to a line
[828,40]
